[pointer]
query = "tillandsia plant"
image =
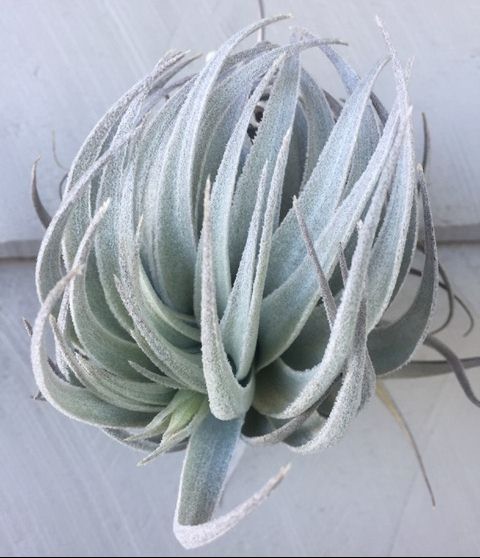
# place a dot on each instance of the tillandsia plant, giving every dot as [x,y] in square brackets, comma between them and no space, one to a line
[221,262]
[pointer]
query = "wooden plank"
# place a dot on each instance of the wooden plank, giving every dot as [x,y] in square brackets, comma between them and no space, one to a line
[66,62]
[66,489]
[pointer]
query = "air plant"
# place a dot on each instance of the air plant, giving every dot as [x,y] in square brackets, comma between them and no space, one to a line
[222,260]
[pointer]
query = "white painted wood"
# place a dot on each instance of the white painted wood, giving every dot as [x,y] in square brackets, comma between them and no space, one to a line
[66,489]
[63,62]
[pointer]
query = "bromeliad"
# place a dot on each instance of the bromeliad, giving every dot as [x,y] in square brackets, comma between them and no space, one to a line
[222,259]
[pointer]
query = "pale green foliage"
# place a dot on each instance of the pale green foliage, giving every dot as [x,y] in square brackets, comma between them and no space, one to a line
[188,298]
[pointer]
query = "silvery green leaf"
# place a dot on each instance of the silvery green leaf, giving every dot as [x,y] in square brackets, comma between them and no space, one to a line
[319,120]
[410,248]
[296,162]
[271,431]
[156,377]
[106,384]
[127,119]
[177,414]
[325,186]
[285,310]
[277,120]
[282,392]
[85,166]
[225,180]
[113,175]
[234,324]
[228,398]
[73,401]
[412,327]
[108,349]
[326,293]
[162,321]
[224,186]
[217,135]
[204,473]
[317,433]
[370,128]
[391,242]
[241,319]
[183,367]
[183,422]
[177,213]
[393,238]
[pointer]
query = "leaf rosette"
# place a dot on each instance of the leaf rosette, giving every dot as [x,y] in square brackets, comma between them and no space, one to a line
[219,268]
